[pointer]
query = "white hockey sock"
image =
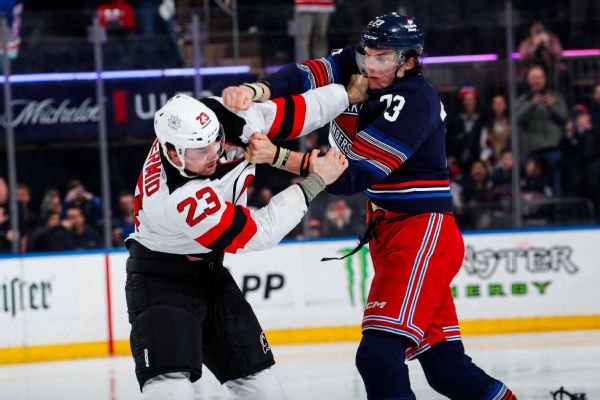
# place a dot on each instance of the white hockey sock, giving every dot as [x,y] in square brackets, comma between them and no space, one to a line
[264,385]
[174,385]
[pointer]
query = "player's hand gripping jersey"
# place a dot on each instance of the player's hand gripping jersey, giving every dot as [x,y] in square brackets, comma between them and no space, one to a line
[394,142]
[179,215]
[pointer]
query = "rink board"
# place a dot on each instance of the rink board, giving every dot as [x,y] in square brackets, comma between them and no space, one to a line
[60,306]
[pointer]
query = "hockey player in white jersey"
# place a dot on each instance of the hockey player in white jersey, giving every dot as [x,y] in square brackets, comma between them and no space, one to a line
[190,209]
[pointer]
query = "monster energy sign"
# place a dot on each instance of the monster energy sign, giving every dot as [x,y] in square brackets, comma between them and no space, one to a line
[479,266]
[351,274]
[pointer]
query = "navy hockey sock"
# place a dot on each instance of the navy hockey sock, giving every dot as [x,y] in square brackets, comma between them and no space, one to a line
[380,359]
[452,373]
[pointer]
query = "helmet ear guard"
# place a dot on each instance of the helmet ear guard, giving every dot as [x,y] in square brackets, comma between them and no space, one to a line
[186,123]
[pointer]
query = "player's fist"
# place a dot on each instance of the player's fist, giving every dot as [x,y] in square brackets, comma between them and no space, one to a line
[329,167]
[238,97]
[260,150]
[357,89]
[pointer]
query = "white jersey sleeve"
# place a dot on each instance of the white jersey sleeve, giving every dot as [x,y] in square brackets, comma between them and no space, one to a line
[288,117]
[218,225]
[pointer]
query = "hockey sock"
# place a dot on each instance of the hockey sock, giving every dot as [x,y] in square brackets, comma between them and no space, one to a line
[380,360]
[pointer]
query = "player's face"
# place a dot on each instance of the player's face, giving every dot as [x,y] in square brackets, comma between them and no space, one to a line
[381,66]
[203,161]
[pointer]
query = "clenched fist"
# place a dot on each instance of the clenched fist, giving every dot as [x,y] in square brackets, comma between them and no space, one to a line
[238,97]
[260,150]
[329,167]
[357,89]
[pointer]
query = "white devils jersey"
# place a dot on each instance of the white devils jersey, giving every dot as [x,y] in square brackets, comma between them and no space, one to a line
[180,215]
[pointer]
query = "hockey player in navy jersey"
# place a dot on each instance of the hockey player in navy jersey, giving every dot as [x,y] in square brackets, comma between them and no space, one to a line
[190,209]
[395,144]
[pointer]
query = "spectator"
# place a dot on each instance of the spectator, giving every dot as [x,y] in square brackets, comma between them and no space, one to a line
[41,238]
[6,234]
[595,105]
[541,114]
[90,204]
[464,131]
[502,179]
[12,10]
[456,179]
[116,14]
[72,233]
[51,203]
[3,191]
[338,219]
[477,188]
[314,229]
[312,22]
[478,195]
[540,47]
[581,155]
[537,184]
[124,225]
[27,216]
[81,235]
[158,16]
[496,134]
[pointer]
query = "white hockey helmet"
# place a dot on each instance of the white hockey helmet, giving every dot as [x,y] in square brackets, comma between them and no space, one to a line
[187,123]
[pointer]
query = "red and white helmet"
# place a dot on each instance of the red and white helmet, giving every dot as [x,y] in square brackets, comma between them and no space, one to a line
[186,123]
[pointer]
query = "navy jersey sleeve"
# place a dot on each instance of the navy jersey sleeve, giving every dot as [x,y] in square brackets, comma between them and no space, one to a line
[310,74]
[385,144]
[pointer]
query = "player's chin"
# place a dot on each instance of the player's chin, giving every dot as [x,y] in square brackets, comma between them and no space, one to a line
[375,82]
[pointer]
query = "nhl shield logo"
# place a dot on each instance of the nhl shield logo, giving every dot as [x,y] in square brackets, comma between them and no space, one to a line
[264,343]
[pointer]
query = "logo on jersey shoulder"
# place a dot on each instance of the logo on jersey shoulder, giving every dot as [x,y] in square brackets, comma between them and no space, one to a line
[203,118]
[264,343]
[174,122]
[410,25]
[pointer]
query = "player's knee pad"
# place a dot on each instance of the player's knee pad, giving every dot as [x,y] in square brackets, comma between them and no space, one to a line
[452,373]
[171,386]
[380,360]
[263,385]
[156,349]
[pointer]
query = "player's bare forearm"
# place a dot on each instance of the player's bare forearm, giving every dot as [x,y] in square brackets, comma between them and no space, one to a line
[294,162]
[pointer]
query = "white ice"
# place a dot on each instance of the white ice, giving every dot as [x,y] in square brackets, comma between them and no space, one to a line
[530,364]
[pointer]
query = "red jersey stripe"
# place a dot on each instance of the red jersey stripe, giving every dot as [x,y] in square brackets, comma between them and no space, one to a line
[276,126]
[245,235]
[362,152]
[319,78]
[299,116]
[216,231]
[378,154]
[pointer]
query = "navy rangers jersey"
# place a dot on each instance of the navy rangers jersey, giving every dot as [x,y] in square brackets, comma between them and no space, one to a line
[395,142]
[180,215]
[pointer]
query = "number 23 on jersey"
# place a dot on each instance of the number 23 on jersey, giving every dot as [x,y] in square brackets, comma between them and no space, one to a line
[196,215]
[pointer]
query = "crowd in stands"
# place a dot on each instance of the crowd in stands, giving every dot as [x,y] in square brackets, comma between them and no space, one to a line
[559,183]
[559,159]
[60,223]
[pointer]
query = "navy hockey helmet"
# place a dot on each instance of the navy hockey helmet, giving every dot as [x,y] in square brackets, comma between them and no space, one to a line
[393,31]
